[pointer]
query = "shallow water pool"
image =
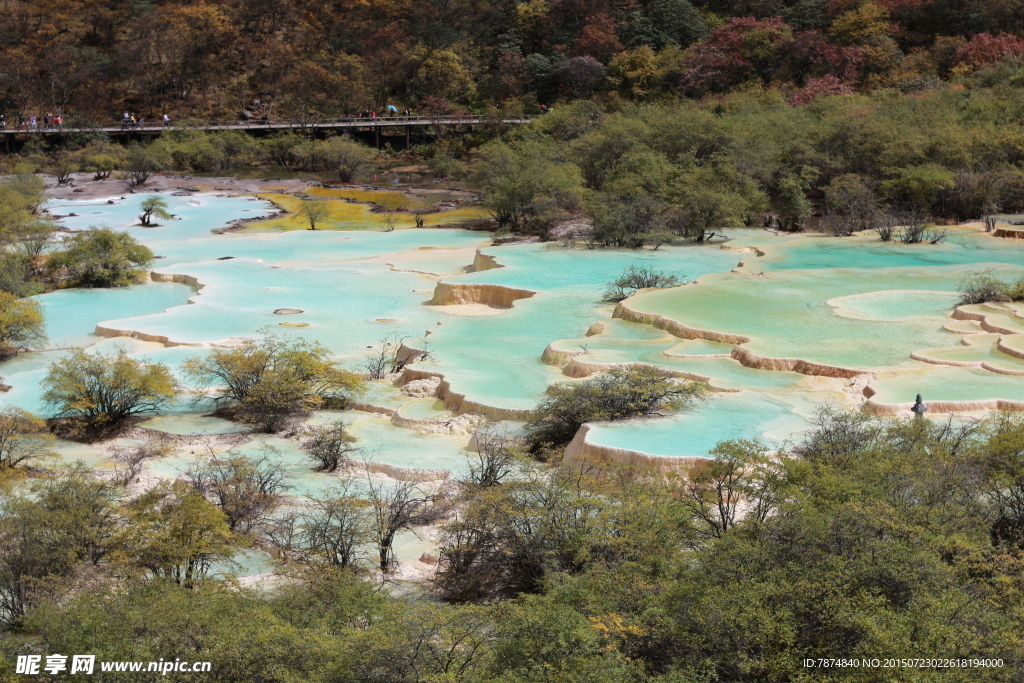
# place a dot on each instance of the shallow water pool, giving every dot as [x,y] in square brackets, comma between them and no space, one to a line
[855,304]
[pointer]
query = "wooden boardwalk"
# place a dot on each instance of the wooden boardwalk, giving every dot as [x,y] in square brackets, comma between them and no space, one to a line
[156,127]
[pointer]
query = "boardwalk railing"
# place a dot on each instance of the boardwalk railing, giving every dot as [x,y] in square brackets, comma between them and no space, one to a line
[267,124]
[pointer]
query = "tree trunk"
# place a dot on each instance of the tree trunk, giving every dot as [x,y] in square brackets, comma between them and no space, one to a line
[385,551]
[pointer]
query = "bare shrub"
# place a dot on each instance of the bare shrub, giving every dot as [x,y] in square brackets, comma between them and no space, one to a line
[330,447]
[494,459]
[394,507]
[391,358]
[840,224]
[246,489]
[420,211]
[914,230]
[336,528]
[282,530]
[885,226]
[129,462]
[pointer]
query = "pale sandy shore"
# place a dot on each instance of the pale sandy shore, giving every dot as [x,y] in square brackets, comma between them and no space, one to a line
[82,186]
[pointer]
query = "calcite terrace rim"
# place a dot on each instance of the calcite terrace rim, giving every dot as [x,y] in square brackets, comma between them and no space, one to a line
[742,355]
[504,296]
[581,448]
[943,407]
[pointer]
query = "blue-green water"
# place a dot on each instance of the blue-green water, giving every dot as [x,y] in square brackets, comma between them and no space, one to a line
[481,354]
[962,247]
[854,303]
[694,433]
[72,314]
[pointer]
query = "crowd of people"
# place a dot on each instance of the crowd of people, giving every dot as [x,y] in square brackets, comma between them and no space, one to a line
[389,111]
[134,120]
[55,122]
[131,120]
[33,123]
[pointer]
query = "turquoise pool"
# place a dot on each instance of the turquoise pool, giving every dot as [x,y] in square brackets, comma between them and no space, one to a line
[855,304]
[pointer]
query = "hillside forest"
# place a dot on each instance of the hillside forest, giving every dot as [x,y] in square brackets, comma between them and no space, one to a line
[88,60]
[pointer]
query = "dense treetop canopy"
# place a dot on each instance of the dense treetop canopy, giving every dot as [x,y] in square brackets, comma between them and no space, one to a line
[97,58]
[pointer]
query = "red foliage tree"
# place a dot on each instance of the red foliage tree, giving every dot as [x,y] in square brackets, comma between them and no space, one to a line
[579,76]
[741,50]
[436,107]
[985,49]
[598,39]
[511,74]
[710,69]
[813,56]
[387,59]
[819,87]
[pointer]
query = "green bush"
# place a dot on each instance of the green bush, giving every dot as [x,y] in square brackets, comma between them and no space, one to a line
[636,278]
[619,394]
[22,326]
[445,166]
[527,186]
[196,150]
[344,156]
[23,438]
[105,389]
[268,381]
[981,286]
[100,257]
[281,149]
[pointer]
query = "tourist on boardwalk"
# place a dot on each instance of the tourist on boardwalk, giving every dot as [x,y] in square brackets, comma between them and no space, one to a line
[125,119]
[167,120]
[59,121]
[3,122]
[33,123]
